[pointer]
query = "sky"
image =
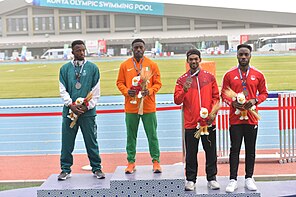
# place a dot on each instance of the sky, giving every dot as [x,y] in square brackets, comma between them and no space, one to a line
[266,5]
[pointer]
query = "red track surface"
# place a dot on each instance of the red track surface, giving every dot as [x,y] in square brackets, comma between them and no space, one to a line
[41,167]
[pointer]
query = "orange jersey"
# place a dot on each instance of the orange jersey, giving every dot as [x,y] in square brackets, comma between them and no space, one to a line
[127,72]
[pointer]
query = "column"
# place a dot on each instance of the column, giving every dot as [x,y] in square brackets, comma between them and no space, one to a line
[56,21]
[30,21]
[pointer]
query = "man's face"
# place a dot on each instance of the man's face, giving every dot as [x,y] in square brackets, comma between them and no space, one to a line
[79,52]
[243,56]
[138,49]
[193,61]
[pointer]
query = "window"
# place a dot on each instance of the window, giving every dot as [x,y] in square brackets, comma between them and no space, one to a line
[50,23]
[70,23]
[62,23]
[77,24]
[90,22]
[291,40]
[43,24]
[36,26]
[25,25]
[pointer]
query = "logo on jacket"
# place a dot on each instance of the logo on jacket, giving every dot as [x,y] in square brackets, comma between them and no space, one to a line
[253,77]
[235,78]
[84,73]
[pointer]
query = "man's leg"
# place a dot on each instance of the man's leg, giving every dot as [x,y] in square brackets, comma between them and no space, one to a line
[209,145]
[89,131]
[150,125]
[236,136]
[250,145]
[191,145]
[132,124]
[68,143]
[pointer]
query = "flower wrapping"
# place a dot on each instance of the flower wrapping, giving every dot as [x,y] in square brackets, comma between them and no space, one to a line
[145,75]
[202,122]
[233,96]
[79,101]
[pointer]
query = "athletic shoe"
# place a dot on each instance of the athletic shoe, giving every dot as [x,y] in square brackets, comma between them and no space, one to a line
[189,186]
[63,176]
[213,185]
[232,185]
[131,168]
[156,167]
[250,184]
[99,174]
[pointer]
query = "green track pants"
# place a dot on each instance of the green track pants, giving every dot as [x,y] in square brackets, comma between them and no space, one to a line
[150,124]
[88,128]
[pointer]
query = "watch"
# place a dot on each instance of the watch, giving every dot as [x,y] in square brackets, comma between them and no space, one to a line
[256,100]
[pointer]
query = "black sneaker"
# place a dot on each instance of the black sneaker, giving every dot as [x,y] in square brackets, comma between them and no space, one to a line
[99,174]
[63,176]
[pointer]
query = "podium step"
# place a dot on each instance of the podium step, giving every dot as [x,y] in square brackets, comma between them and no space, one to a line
[144,182]
[202,189]
[78,185]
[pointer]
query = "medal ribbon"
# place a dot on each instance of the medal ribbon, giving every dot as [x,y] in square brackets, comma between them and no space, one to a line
[136,68]
[78,73]
[198,86]
[243,79]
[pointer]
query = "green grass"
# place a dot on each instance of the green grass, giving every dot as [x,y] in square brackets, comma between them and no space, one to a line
[17,185]
[41,80]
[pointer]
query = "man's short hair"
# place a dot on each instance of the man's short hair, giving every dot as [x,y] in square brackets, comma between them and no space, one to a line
[138,40]
[192,51]
[244,46]
[77,42]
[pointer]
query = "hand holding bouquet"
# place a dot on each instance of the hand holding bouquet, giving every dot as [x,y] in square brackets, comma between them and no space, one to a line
[144,80]
[80,102]
[240,98]
[206,119]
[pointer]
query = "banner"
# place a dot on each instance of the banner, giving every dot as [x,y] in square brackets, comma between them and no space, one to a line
[102,46]
[65,53]
[91,46]
[158,47]
[23,53]
[244,39]
[126,6]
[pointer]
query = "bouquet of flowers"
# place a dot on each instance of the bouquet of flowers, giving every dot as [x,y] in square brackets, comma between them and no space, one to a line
[240,98]
[144,81]
[79,101]
[204,117]
[136,85]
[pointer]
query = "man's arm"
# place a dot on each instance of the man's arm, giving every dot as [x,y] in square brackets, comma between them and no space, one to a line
[63,91]
[96,89]
[225,85]
[180,92]
[156,82]
[121,82]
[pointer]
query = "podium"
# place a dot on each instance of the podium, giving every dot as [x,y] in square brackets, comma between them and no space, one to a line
[142,183]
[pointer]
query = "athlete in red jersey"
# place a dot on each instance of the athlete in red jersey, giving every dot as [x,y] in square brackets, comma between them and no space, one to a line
[196,89]
[247,79]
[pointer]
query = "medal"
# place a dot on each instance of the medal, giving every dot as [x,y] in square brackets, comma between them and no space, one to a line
[245,92]
[78,85]
[78,72]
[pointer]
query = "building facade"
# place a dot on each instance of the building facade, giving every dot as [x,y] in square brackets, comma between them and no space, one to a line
[57,22]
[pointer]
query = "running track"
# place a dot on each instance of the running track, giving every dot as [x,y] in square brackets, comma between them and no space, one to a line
[40,135]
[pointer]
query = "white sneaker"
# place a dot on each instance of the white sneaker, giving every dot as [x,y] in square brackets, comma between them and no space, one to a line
[189,186]
[250,184]
[213,185]
[232,185]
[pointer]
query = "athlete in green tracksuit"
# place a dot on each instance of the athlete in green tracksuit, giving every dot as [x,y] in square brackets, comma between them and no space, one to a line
[78,78]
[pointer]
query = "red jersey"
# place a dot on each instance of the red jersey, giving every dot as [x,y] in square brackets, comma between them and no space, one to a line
[209,94]
[256,88]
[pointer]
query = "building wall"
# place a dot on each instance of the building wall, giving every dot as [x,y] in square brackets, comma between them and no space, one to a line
[39,27]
